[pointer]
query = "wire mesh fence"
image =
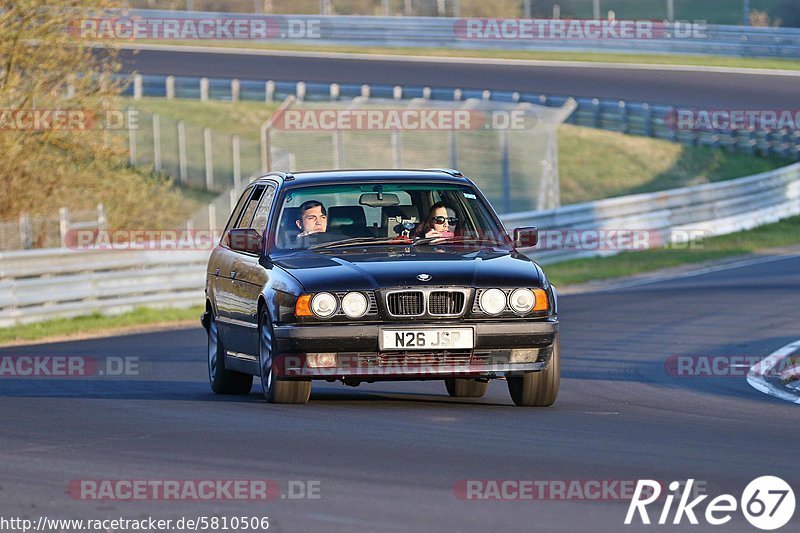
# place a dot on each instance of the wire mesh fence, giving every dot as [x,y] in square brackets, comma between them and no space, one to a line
[49,231]
[195,156]
[509,149]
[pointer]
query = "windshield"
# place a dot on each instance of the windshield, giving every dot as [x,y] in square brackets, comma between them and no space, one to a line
[328,216]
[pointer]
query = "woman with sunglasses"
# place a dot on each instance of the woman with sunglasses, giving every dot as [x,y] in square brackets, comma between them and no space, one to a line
[440,222]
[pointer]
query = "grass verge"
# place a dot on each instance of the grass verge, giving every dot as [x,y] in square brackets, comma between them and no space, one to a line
[97,324]
[783,233]
[595,164]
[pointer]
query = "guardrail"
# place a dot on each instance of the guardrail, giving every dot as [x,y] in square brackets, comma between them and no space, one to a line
[634,118]
[42,284]
[669,216]
[447,32]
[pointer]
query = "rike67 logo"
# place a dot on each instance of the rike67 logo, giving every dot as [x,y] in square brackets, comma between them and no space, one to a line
[767,503]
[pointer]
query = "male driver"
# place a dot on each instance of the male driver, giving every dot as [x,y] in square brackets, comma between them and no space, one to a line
[312,218]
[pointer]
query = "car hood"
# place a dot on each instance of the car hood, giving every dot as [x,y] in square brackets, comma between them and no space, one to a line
[371,268]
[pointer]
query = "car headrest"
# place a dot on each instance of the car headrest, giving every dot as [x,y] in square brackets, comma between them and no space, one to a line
[346,215]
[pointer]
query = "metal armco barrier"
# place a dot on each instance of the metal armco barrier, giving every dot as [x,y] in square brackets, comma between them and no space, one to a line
[708,209]
[42,284]
[446,32]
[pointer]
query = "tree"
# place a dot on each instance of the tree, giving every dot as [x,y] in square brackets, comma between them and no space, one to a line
[47,68]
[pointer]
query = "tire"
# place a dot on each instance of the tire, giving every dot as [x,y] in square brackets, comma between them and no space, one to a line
[222,380]
[276,390]
[538,389]
[465,388]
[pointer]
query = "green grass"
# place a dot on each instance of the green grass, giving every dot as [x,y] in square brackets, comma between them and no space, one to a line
[650,59]
[243,118]
[66,327]
[783,233]
[596,164]
[223,118]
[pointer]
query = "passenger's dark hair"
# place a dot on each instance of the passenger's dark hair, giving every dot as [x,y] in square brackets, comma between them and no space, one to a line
[310,204]
[427,224]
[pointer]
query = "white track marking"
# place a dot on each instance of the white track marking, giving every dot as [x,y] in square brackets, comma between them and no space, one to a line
[756,379]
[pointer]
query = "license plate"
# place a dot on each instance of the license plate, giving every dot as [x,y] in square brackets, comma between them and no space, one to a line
[427,339]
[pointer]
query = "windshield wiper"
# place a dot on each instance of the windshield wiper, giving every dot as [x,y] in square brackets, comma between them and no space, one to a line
[455,240]
[355,242]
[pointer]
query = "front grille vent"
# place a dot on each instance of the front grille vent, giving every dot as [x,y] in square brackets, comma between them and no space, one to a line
[443,303]
[406,303]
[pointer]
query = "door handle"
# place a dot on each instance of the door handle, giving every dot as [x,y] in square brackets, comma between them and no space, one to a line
[216,273]
[233,275]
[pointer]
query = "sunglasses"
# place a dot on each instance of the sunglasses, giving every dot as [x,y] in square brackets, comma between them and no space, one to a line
[452,221]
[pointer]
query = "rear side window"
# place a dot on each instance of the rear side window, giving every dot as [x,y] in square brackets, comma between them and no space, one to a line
[237,211]
[250,208]
[259,222]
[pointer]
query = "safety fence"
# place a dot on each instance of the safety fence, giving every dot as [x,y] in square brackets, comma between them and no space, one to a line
[47,231]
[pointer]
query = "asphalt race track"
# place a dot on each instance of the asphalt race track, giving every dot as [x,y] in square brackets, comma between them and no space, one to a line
[718,90]
[388,456]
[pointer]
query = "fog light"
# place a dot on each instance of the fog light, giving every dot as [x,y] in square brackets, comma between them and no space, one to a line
[321,360]
[524,355]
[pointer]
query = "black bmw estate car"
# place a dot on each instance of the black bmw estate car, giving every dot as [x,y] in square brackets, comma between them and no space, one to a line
[368,275]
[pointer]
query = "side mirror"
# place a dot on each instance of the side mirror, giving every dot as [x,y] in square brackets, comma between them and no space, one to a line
[527,237]
[245,240]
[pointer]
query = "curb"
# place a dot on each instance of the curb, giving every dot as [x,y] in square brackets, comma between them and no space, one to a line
[764,377]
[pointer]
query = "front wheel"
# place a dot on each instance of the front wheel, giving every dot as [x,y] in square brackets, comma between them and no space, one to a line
[465,388]
[538,389]
[276,390]
[222,380]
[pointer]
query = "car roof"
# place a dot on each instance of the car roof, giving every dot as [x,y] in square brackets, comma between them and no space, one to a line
[342,176]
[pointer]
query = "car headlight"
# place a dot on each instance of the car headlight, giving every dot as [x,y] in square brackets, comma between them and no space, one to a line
[492,301]
[522,300]
[354,304]
[323,304]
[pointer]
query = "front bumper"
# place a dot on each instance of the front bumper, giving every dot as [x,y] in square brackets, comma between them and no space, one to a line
[358,354]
